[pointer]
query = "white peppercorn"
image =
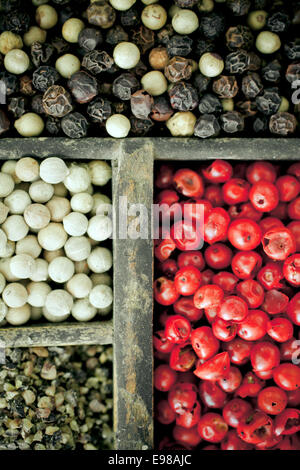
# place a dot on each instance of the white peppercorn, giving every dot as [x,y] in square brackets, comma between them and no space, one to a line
[6,184]
[82,310]
[154,83]
[27,169]
[22,266]
[53,237]
[29,246]
[77,248]
[30,125]
[15,295]
[182,124]
[37,216]
[71,29]
[118,126]
[79,286]
[126,55]
[34,34]
[67,65]
[211,64]
[100,260]
[10,41]
[15,228]
[82,202]
[101,296]
[154,16]
[268,42]
[185,21]
[59,303]
[46,16]
[59,207]
[61,269]
[75,224]
[18,315]
[17,201]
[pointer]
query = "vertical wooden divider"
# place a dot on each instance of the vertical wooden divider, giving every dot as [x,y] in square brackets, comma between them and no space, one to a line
[133,304]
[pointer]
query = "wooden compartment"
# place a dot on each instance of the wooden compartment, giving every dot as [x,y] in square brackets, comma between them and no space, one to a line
[130,331]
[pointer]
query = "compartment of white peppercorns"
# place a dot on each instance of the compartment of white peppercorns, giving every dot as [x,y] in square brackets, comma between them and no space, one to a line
[56,398]
[123,68]
[55,247]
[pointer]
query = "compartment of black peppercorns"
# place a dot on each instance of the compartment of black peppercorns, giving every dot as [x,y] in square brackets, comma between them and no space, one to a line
[133,68]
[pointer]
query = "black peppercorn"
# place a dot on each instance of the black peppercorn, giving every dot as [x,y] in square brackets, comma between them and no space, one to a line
[239,7]
[141,104]
[260,4]
[37,104]
[26,86]
[41,54]
[97,62]
[252,85]
[247,108]
[237,62]
[283,124]
[11,82]
[130,18]
[254,62]
[183,96]
[201,83]
[165,34]
[260,124]
[17,106]
[53,125]
[115,35]
[61,2]
[292,50]
[178,69]
[89,39]
[44,77]
[278,22]
[293,72]
[140,127]
[83,87]
[203,46]
[226,86]
[8,5]
[272,72]
[207,126]
[239,37]
[179,46]
[60,45]
[143,38]
[101,14]
[125,85]
[99,109]
[212,25]
[161,109]
[4,122]
[140,69]
[17,21]
[74,125]
[210,104]
[57,101]
[269,102]
[232,122]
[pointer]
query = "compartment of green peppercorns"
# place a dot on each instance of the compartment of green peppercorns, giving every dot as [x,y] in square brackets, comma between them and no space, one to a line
[124,67]
[56,398]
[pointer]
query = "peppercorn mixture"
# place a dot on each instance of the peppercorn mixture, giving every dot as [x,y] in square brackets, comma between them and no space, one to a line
[56,399]
[123,68]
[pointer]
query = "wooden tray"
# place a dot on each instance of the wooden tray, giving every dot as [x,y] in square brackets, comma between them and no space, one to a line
[130,331]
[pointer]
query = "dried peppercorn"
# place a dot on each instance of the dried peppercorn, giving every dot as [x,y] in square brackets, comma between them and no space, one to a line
[204,45]
[209,104]
[271,72]
[53,125]
[232,122]
[17,106]
[83,87]
[99,109]
[226,86]
[237,62]
[115,35]
[260,124]
[278,22]
[247,108]
[201,82]
[183,96]
[130,18]
[74,125]
[125,85]
[212,25]
[10,81]
[4,122]
[165,34]
[144,38]
[207,126]
[17,21]
[239,7]
[179,46]
[252,85]
[178,69]
[292,50]
[282,124]
[26,86]
[41,54]
[57,101]
[60,45]
[37,104]
[141,103]
[239,37]
[254,62]
[44,77]
[101,14]
[185,3]
[89,39]
[269,102]
[97,62]
[161,110]
[293,72]
[140,127]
